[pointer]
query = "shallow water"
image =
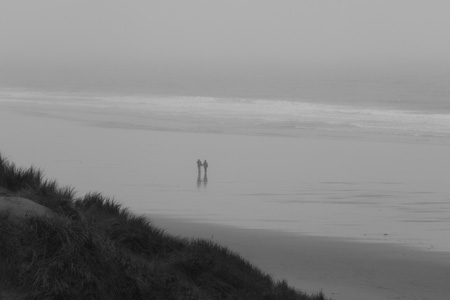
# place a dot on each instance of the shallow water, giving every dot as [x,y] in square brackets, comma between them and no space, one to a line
[357,186]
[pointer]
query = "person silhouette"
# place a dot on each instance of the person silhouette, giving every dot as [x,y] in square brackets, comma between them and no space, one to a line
[199,165]
[205,165]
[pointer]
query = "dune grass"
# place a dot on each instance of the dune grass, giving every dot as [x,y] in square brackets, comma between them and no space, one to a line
[30,183]
[93,248]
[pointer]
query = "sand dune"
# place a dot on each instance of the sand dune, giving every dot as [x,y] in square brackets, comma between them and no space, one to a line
[341,269]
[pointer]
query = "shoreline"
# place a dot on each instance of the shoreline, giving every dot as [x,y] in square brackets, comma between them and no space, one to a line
[342,269]
[382,187]
[327,186]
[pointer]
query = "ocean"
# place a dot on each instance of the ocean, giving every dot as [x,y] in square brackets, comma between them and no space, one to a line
[354,158]
[402,110]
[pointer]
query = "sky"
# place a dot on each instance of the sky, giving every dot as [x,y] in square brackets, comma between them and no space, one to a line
[86,36]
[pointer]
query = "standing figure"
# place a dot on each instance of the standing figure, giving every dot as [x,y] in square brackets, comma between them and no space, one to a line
[199,165]
[205,165]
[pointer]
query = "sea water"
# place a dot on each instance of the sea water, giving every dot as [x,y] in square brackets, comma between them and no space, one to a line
[367,160]
[250,116]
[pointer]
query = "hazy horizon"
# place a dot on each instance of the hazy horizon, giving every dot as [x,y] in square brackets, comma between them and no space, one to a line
[106,42]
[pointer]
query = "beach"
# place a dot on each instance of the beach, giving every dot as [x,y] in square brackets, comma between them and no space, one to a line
[356,216]
[325,126]
[342,269]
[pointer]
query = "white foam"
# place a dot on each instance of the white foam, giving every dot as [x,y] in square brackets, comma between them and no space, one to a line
[274,114]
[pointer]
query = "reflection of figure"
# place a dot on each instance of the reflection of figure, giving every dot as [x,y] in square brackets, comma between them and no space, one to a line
[205,179]
[199,166]
[205,165]
[199,180]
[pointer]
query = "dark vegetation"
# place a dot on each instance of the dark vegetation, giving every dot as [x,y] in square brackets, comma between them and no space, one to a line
[92,248]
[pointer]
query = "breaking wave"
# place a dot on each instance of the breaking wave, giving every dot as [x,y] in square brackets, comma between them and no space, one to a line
[272,115]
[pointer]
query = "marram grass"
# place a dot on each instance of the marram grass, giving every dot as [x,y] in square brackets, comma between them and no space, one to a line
[93,248]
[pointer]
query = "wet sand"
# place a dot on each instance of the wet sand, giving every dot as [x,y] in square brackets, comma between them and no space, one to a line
[332,186]
[342,269]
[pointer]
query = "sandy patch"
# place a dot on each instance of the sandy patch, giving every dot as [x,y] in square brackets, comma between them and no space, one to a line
[22,207]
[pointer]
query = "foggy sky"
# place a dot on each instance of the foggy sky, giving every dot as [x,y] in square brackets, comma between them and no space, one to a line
[56,35]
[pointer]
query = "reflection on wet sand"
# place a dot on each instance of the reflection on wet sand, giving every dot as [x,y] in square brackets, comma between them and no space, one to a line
[201,181]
